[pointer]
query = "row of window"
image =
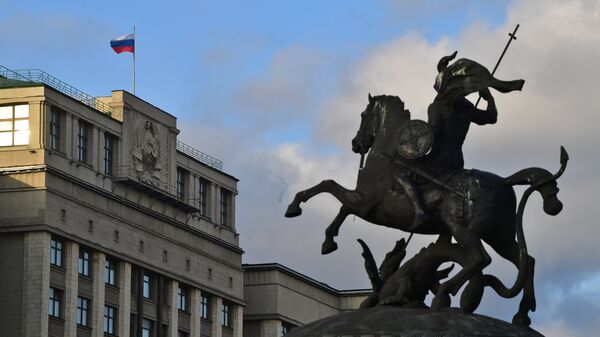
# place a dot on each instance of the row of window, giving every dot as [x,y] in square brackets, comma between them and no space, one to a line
[84,310]
[83,263]
[110,268]
[203,187]
[84,130]
[110,278]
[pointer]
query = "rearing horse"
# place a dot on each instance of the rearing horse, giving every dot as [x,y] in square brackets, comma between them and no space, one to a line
[488,213]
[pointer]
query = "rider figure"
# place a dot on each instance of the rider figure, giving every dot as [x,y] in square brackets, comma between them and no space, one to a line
[450,116]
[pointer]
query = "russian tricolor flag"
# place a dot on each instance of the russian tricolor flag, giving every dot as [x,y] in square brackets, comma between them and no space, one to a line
[125,43]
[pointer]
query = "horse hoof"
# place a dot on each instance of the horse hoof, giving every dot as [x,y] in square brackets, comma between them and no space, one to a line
[328,247]
[522,320]
[440,301]
[293,211]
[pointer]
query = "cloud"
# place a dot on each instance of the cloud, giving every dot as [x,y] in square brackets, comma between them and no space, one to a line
[283,94]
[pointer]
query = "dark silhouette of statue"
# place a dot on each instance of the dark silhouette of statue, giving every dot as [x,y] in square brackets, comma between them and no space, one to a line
[414,180]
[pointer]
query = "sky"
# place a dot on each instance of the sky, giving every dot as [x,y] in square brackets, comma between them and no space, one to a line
[275,90]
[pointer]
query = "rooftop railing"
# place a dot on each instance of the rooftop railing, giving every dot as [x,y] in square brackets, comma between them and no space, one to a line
[39,76]
[200,156]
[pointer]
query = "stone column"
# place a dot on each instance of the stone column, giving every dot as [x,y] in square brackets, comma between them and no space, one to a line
[238,321]
[215,313]
[74,131]
[124,299]
[66,136]
[195,321]
[94,148]
[173,315]
[36,283]
[98,259]
[71,287]
[270,328]
[231,211]
[214,205]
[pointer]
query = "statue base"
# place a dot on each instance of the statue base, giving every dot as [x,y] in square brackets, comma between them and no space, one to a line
[411,322]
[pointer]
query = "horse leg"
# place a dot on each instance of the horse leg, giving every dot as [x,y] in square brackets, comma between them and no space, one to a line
[510,251]
[343,195]
[477,260]
[333,230]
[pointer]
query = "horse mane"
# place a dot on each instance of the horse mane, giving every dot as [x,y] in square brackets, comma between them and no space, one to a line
[396,103]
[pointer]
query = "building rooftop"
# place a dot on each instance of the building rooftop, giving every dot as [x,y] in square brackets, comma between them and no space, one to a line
[276,266]
[35,77]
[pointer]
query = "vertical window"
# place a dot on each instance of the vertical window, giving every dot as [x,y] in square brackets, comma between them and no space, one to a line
[56,252]
[55,117]
[147,291]
[225,311]
[204,307]
[285,328]
[180,183]
[82,141]
[14,125]
[224,207]
[54,299]
[109,272]
[202,197]
[109,319]
[146,328]
[82,311]
[109,144]
[83,266]
[182,298]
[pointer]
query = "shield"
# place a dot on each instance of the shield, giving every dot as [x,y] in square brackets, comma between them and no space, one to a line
[415,139]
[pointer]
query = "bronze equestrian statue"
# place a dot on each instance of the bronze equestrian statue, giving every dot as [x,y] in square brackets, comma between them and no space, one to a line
[408,186]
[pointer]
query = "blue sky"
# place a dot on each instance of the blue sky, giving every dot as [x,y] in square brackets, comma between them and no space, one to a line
[207,49]
[275,89]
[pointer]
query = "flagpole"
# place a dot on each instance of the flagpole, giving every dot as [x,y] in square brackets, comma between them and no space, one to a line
[134,60]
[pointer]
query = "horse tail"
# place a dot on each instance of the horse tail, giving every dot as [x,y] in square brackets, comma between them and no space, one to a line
[544,182]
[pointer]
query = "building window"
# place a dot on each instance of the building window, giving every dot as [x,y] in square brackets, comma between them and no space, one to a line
[14,125]
[180,183]
[285,328]
[225,312]
[83,141]
[182,298]
[109,147]
[109,272]
[204,307]
[203,197]
[83,266]
[54,299]
[56,252]
[147,289]
[224,207]
[82,311]
[109,319]
[183,334]
[146,328]
[55,122]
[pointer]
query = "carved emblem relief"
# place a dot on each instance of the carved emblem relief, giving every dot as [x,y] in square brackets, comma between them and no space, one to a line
[149,151]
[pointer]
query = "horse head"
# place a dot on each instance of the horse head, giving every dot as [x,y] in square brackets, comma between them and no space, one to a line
[382,112]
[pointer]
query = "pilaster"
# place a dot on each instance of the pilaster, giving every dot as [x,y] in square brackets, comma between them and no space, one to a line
[71,287]
[124,317]
[195,321]
[36,283]
[98,259]
[217,328]
[173,286]
[238,321]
